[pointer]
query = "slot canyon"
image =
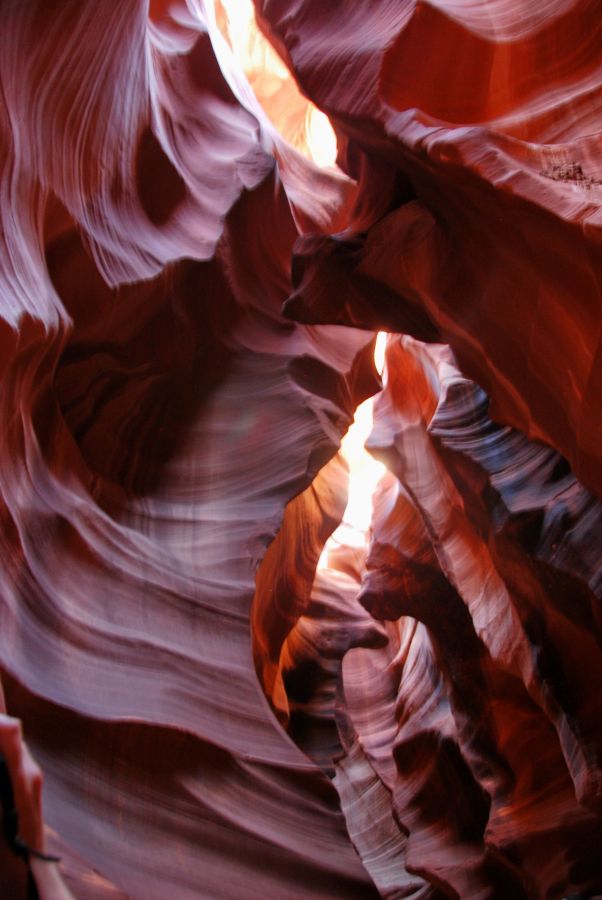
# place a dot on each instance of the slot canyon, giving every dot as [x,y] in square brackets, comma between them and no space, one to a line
[301,447]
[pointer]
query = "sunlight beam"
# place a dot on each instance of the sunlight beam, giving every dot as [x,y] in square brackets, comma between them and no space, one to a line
[364,472]
[297,120]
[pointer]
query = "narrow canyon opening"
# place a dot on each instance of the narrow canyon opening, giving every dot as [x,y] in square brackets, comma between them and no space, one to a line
[275,626]
[305,607]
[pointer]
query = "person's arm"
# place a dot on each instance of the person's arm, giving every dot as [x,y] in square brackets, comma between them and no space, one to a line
[49,881]
[26,779]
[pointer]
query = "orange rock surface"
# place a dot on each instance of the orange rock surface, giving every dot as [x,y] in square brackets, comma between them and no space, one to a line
[224,703]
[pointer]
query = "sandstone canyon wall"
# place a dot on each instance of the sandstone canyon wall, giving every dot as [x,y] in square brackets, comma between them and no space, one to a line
[188,307]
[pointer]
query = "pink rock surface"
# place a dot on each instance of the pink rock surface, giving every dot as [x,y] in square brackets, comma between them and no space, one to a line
[466,749]
[491,748]
[157,415]
[187,308]
[473,130]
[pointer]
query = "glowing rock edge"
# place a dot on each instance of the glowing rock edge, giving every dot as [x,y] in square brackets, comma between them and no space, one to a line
[231,696]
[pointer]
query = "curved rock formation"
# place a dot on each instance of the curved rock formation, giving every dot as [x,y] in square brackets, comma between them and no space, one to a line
[474,132]
[187,308]
[158,413]
[495,652]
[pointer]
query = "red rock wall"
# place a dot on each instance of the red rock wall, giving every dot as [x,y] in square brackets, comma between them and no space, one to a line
[474,132]
[187,310]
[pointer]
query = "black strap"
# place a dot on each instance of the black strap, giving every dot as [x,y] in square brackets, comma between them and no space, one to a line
[10,824]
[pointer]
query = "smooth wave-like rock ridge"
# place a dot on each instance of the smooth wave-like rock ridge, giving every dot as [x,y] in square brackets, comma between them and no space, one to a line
[496,748]
[187,317]
[459,718]
[157,415]
[474,132]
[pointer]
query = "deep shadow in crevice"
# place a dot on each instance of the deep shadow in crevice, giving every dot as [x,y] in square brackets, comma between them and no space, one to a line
[140,362]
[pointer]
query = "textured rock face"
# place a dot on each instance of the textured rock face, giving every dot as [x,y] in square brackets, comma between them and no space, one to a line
[474,132]
[496,655]
[187,313]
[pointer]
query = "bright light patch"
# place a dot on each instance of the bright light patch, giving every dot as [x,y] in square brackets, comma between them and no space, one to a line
[250,47]
[364,473]
[321,139]
[379,351]
[310,132]
[299,122]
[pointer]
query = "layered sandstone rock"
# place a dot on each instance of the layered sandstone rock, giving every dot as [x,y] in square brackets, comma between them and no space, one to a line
[474,133]
[187,308]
